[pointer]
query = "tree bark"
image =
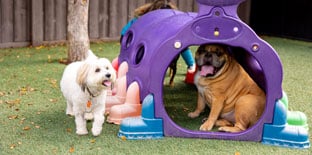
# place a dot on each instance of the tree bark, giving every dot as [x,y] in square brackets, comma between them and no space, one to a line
[77,30]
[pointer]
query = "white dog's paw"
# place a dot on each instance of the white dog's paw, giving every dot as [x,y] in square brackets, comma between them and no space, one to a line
[70,113]
[96,131]
[88,116]
[82,132]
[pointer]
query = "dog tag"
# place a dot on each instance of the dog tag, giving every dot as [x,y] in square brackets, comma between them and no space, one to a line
[89,103]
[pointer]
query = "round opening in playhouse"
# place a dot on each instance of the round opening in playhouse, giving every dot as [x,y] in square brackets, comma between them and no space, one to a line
[181,98]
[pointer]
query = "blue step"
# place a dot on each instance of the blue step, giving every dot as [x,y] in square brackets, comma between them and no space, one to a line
[279,133]
[144,127]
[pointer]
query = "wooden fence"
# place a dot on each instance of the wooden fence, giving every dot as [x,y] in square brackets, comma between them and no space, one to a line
[36,22]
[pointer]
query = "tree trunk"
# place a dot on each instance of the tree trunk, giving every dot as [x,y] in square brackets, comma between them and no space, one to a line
[77,30]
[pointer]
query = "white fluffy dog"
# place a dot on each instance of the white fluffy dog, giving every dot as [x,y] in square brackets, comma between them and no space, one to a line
[84,85]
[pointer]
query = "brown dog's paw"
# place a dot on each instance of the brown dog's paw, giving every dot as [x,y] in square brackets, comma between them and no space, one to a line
[230,129]
[193,114]
[206,127]
[223,122]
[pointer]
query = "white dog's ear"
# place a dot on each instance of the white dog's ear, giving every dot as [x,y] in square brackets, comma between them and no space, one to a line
[82,76]
[91,56]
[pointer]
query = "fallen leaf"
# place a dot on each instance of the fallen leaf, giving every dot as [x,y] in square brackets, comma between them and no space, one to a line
[13,117]
[54,151]
[39,47]
[22,120]
[26,128]
[25,90]
[12,146]
[92,141]
[71,150]
[53,100]
[16,101]
[69,130]
[237,153]
[49,59]
[124,138]
[53,82]
[2,93]
[13,102]
[37,126]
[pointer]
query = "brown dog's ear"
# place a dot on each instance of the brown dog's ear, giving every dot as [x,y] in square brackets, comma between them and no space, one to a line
[82,76]
[201,47]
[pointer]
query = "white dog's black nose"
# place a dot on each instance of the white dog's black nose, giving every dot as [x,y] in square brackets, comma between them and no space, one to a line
[108,75]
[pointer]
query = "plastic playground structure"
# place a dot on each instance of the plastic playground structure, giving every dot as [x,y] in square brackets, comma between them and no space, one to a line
[147,59]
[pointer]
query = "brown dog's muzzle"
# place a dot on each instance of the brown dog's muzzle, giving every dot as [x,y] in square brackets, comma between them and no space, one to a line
[209,63]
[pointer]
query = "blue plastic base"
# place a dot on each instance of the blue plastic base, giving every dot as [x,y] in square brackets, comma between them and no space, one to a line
[145,127]
[286,136]
[140,128]
[279,133]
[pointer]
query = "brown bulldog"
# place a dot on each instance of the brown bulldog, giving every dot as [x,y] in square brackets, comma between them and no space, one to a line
[235,100]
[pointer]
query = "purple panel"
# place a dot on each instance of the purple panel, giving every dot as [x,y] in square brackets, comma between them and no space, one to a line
[139,27]
[145,37]
[219,2]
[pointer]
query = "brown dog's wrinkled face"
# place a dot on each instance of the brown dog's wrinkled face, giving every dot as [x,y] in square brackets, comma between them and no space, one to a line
[210,60]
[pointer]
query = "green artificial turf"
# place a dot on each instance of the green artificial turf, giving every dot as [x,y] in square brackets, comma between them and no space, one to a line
[32,108]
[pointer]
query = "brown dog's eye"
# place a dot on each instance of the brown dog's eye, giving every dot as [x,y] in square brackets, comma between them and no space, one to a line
[97,70]
[219,53]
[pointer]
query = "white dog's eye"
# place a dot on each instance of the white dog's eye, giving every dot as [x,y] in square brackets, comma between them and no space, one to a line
[107,68]
[97,70]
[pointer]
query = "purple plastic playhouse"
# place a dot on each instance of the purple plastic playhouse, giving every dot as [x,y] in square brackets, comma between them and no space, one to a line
[157,37]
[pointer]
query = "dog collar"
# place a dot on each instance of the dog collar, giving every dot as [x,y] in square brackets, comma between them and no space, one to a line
[92,95]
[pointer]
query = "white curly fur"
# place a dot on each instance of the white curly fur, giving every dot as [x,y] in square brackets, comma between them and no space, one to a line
[85,81]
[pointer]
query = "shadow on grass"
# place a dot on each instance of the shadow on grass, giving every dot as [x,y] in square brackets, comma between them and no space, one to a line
[179,101]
